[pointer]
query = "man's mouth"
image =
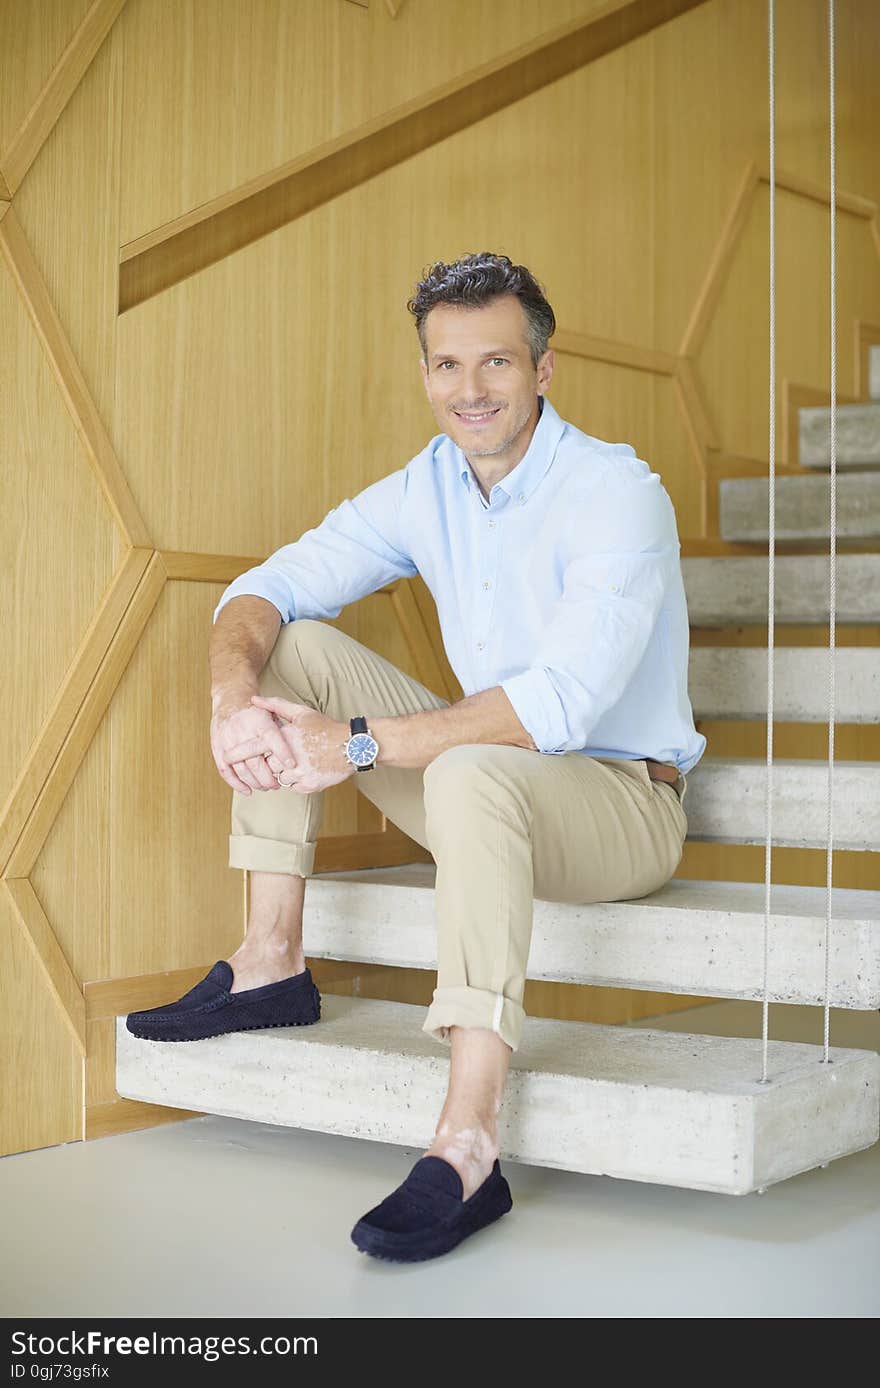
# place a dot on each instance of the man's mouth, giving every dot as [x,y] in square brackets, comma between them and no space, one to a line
[476,419]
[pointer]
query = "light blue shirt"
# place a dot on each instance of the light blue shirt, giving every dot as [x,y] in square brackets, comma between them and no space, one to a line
[565,588]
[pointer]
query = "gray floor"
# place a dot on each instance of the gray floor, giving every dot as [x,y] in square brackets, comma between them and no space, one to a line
[219,1217]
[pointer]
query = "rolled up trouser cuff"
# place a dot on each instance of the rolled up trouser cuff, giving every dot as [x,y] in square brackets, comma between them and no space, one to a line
[271,855]
[474,1007]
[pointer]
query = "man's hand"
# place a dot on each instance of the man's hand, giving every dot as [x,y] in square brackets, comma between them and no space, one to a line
[313,740]
[234,719]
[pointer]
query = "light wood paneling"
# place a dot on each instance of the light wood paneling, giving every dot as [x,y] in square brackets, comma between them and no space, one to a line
[60,984]
[141,884]
[471,174]
[80,705]
[43,780]
[312,70]
[421,640]
[215,230]
[69,380]
[24,146]
[127,1115]
[736,346]
[42,1069]
[68,210]
[56,541]
[32,39]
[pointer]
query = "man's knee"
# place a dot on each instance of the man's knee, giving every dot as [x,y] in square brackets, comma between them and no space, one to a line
[305,633]
[299,647]
[303,637]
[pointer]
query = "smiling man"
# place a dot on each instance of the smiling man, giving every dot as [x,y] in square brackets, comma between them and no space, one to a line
[496,427]
[553,558]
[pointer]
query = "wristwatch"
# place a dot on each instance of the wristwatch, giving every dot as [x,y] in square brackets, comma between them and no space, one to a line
[361,749]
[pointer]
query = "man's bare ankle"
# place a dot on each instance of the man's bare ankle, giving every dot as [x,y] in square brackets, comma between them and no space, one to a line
[254,967]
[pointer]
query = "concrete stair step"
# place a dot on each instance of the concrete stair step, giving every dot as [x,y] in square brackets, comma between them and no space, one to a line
[802,510]
[726,796]
[641,1105]
[699,938]
[858,435]
[731,682]
[728,590]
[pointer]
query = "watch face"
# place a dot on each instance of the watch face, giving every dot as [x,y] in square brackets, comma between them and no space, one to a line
[362,749]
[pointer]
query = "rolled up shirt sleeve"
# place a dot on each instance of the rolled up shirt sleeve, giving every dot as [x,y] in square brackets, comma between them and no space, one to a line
[358,547]
[613,590]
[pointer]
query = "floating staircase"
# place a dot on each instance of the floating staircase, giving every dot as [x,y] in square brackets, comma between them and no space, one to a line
[858,436]
[802,507]
[802,503]
[644,1105]
[635,1103]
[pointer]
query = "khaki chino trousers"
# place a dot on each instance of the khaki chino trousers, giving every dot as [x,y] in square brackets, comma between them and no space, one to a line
[504,825]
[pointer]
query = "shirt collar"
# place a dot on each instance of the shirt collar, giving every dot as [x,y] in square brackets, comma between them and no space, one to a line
[524,478]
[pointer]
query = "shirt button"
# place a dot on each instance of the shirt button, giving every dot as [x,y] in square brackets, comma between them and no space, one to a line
[614,588]
[522,496]
[488,583]
[480,645]
[491,525]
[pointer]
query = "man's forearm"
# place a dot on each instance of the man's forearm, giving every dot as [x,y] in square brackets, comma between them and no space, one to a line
[415,739]
[242,639]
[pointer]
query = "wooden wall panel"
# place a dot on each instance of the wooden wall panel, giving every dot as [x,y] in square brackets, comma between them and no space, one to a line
[32,38]
[56,533]
[358,63]
[734,361]
[256,326]
[147,807]
[42,1069]
[151,455]
[141,886]
[220,227]
[71,875]
[68,206]
[476,179]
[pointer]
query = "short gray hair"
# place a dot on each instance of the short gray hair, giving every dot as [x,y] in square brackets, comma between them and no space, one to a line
[475,280]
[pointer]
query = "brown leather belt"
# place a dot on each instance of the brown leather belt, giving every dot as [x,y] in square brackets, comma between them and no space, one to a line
[661,770]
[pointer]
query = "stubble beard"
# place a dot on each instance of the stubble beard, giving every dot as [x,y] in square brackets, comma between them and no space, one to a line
[501,447]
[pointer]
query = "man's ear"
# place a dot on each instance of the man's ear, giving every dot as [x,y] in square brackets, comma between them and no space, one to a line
[424,371]
[545,369]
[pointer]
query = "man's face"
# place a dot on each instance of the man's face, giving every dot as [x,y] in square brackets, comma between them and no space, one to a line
[479,377]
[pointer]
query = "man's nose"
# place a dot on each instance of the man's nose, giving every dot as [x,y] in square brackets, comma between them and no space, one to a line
[474,388]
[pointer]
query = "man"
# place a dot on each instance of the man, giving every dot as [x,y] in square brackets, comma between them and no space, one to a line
[553,557]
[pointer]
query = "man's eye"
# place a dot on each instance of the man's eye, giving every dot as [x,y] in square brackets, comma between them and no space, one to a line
[503,360]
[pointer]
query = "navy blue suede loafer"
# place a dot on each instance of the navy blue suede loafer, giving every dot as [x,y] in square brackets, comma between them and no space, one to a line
[209,1009]
[426,1215]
